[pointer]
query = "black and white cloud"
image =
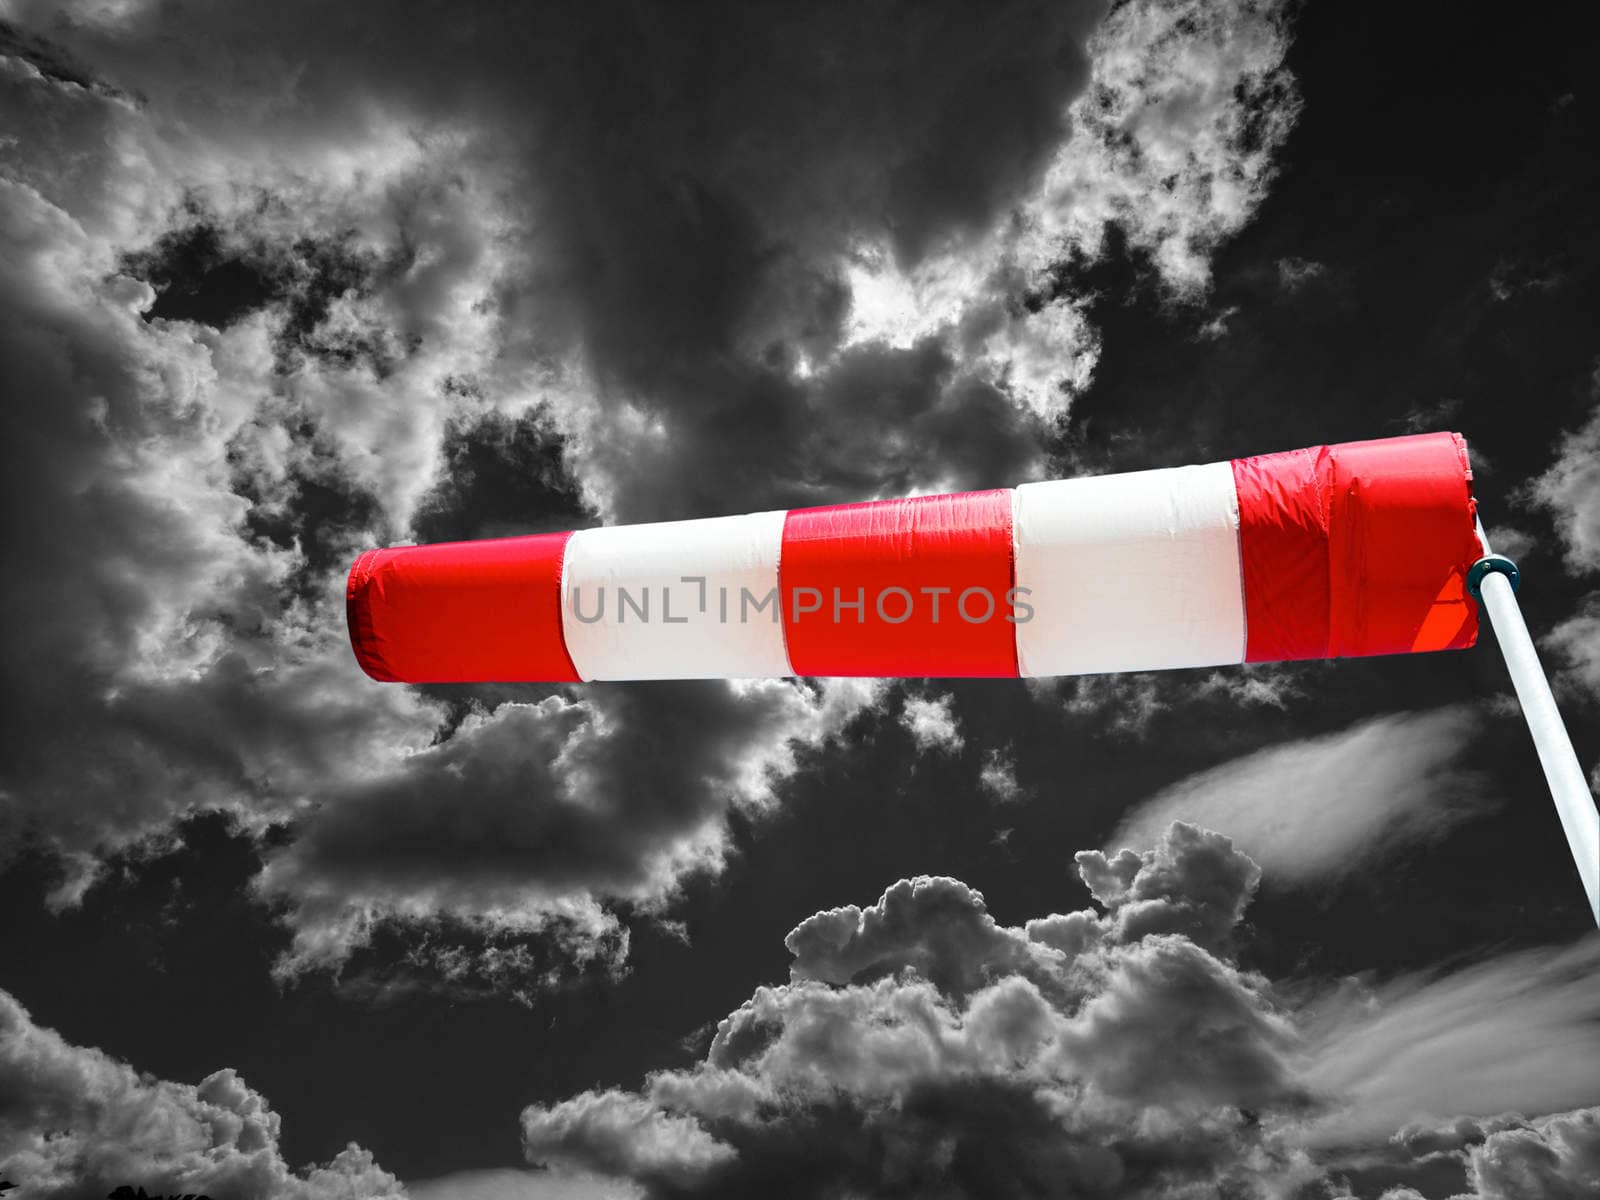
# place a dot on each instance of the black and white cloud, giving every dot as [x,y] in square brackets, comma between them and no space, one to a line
[76,1122]
[1331,805]
[923,1048]
[282,282]
[1570,491]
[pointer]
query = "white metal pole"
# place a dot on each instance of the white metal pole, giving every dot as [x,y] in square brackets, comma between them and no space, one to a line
[1568,787]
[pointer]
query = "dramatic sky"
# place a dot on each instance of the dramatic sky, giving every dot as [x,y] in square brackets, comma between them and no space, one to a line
[279,282]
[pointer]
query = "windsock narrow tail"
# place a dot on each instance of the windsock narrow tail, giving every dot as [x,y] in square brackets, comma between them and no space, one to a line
[1353,549]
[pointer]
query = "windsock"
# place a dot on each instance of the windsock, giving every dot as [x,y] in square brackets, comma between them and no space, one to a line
[1333,551]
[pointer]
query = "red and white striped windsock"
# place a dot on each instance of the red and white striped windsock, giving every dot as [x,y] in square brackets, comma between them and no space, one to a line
[1354,549]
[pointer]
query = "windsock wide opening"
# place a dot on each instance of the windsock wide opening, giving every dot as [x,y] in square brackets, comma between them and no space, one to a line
[1358,549]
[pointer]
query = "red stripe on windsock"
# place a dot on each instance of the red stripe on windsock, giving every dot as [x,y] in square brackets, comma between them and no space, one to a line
[487,611]
[953,552]
[1358,548]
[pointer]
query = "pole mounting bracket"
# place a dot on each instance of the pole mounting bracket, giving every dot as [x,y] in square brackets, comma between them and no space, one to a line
[1491,564]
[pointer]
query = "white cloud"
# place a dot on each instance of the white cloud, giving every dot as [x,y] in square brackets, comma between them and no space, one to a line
[1253,685]
[1296,273]
[931,722]
[922,1047]
[75,1121]
[1126,703]
[618,1134]
[1172,141]
[1570,489]
[1510,541]
[509,1184]
[1177,133]
[1518,1032]
[1320,808]
[1141,704]
[950,1055]
[1558,1158]
[153,659]
[998,778]
[1576,642]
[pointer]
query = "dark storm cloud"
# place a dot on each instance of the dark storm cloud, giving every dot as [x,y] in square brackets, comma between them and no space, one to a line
[694,180]
[76,1123]
[270,298]
[528,814]
[175,645]
[119,525]
[683,200]
[501,476]
[177,522]
[880,421]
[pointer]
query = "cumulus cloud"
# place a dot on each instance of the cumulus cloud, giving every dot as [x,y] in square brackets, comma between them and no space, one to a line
[1558,1157]
[627,1135]
[923,1047]
[1194,882]
[1314,809]
[939,928]
[75,1122]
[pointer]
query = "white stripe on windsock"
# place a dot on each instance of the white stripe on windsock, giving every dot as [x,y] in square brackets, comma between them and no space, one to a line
[1130,572]
[650,623]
